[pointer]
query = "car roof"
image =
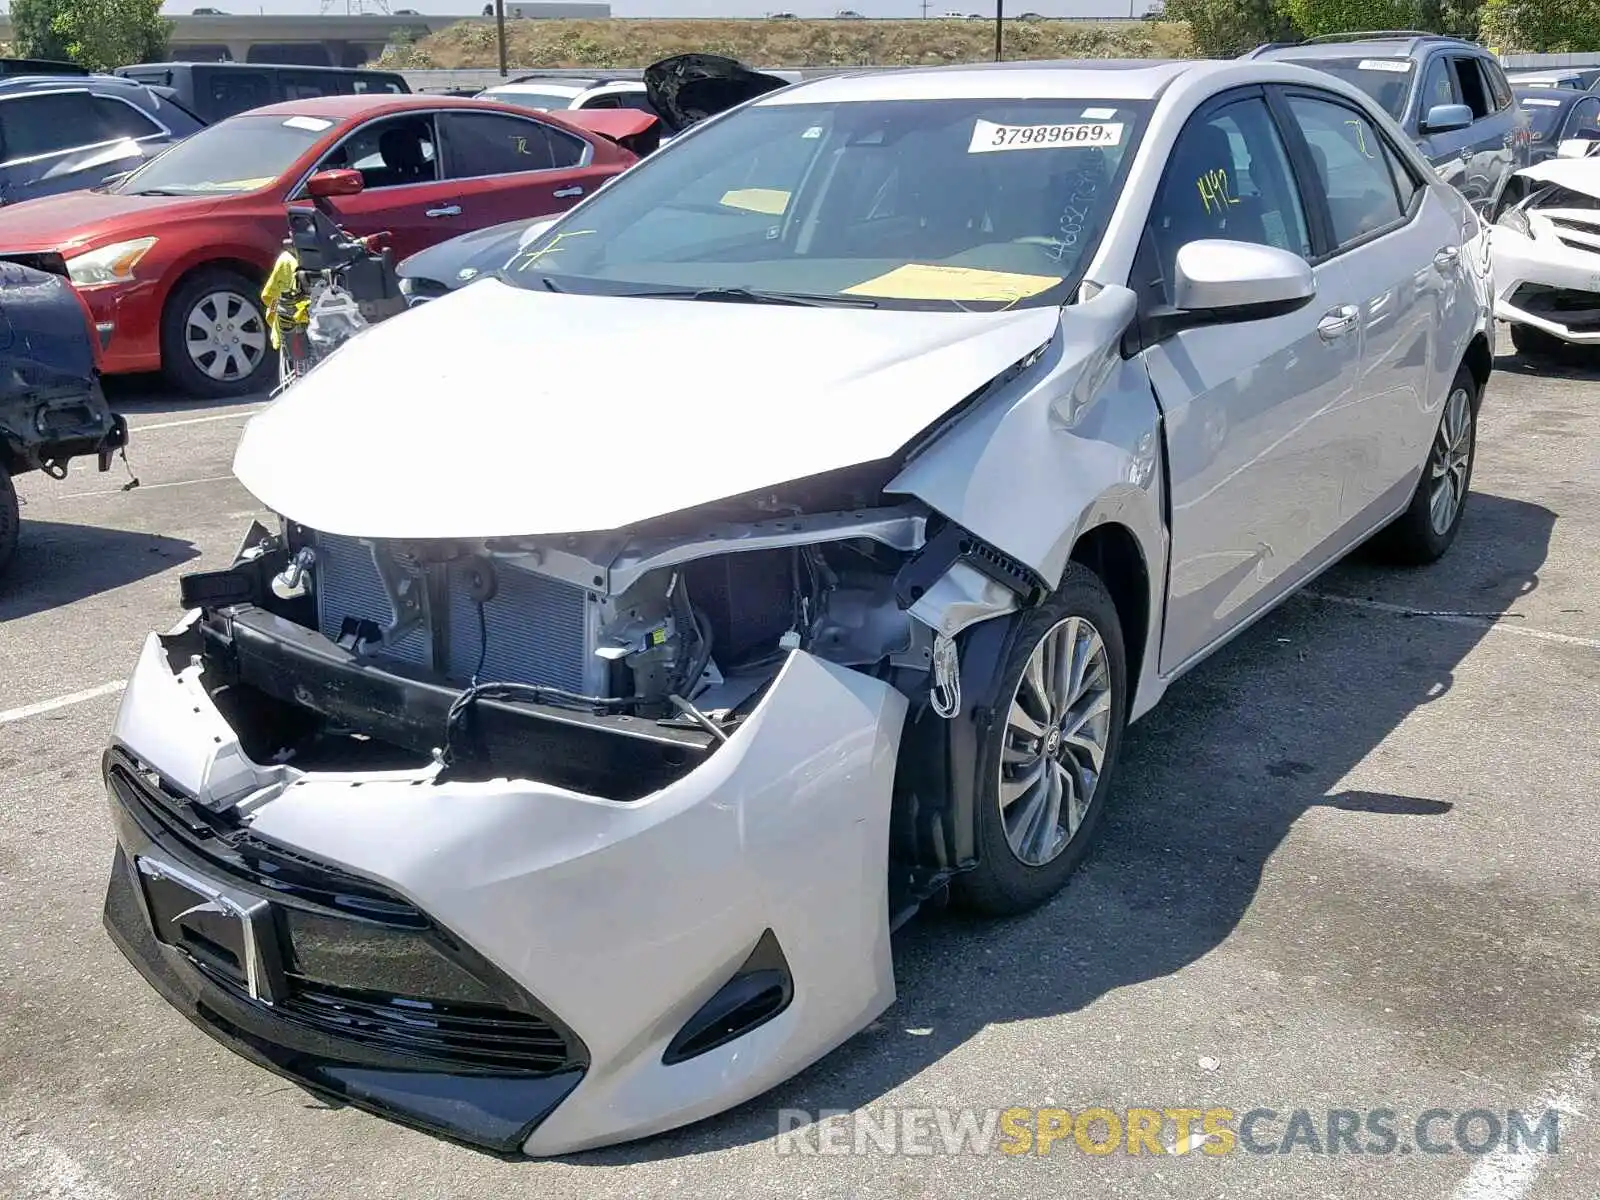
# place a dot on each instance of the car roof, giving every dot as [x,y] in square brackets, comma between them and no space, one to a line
[1109,79]
[258,66]
[1378,47]
[344,108]
[549,87]
[50,83]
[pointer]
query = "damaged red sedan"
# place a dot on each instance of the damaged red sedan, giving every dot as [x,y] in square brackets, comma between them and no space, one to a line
[170,258]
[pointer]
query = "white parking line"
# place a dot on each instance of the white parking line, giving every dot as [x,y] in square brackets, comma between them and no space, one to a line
[145,487]
[231,416]
[1458,618]
[44,706]
[1505,1174]
[46,1170]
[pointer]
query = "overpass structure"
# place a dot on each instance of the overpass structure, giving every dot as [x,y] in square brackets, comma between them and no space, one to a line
[335,40]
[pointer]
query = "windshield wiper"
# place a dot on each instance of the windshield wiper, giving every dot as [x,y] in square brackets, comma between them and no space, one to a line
[741,295]
[152,192]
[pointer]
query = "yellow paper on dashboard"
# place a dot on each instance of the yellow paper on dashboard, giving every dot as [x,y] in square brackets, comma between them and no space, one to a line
[771,201]
[920,281]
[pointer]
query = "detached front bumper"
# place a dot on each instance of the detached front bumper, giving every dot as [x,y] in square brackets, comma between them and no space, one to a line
[595,931]
[1544,282]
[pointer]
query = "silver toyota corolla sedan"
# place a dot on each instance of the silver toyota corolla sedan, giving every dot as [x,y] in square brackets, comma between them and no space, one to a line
[785,536]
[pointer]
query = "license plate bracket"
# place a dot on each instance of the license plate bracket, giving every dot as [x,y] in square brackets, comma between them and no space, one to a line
[228,932]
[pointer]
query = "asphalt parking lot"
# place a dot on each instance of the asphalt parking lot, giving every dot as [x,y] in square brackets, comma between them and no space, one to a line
[1353,864]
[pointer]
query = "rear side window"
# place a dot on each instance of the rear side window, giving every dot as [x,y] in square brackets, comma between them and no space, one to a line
[58,121]
[307,85]
[1499,86]
[492,144]
[639,101]
[233,92]
[1352,166]
[363,85]
[1228,177]
[1584,121]
[609,100]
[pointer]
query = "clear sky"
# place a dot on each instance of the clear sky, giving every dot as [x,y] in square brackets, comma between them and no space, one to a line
[700,8]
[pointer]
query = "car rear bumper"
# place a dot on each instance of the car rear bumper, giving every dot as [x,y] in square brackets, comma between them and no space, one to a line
[1546,284]
[614,923]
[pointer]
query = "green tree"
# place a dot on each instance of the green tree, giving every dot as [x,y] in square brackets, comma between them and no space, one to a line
[1542,26]
[1225,28]
[98,34]
[1318,17]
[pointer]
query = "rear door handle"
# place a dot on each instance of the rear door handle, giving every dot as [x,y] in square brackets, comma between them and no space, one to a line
[571,191]
[1338,321]
[1447,257]
[449,210]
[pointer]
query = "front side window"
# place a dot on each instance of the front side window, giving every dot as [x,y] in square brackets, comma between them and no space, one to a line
[1439,85]
[1351,166]
[950,203]
[1228,178]
[393,152]
[240,154]
[491,144]
[1474,90]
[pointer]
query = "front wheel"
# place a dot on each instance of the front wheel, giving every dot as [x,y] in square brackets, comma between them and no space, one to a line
[214,335]
[10,520]
[1530,342]
[1049,752]
[1429,525]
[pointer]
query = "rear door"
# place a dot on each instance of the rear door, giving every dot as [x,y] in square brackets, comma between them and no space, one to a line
[1395,245]
[1449,152]
[1499,137]
[507,166]
[404,190]
[54,142]
[1256,479]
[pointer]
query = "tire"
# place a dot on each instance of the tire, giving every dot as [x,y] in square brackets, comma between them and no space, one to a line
[1416,537]
[1530,342]
[1016,872]
[228,305]
[10,520]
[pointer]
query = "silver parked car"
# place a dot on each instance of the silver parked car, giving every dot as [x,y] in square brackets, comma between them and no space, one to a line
[787,534]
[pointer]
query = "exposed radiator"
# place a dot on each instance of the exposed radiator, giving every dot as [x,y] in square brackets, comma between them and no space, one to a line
[536,627]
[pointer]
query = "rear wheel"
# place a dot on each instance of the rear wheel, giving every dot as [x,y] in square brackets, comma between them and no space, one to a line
[1536,343]
[1049,752]
[10,520]
[214,335]
[1428,527]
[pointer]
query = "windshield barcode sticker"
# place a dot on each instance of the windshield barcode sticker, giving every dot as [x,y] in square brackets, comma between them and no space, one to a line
[1398,65]
[988,136]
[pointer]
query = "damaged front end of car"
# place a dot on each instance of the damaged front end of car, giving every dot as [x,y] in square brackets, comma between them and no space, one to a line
[1545,252]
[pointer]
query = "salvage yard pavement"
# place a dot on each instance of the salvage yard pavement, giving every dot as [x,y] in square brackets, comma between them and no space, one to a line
[1351,867]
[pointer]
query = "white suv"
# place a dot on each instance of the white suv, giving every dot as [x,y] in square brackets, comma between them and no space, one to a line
[555,93]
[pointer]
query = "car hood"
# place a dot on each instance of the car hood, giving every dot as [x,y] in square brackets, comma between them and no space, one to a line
[502,412]
[687,88]
[74,219]
[481,250]
[1575,174]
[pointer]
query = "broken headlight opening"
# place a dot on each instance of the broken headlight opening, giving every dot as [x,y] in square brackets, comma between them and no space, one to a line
[608,663]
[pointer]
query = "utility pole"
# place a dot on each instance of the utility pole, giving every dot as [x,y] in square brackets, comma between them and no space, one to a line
[500,33]
[999,29]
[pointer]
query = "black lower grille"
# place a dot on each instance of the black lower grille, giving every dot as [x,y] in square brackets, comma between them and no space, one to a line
[461,1034]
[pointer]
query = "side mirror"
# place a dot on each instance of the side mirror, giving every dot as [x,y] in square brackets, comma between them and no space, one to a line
[533,232]
[1215,281]
[342,182]
[1444,118]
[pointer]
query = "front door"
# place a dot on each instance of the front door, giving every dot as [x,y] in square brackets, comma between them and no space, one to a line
[1254,486]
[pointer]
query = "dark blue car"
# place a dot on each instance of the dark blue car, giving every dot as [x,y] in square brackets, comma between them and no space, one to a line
[1556,115]
[61,133]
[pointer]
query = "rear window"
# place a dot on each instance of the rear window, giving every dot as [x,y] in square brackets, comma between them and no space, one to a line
[1385,80]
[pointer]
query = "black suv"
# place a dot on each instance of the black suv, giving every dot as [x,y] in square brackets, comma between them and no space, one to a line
[60,133]
[220,89]
[1450,95]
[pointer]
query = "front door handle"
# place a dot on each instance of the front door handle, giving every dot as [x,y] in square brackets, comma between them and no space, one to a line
[1337,322]
[449,210]
[1447,257]
[571,191]
[1466,154]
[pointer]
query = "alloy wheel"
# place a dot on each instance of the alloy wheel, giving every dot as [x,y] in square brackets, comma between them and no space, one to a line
[1447,465]
[225,335]
[1057,727]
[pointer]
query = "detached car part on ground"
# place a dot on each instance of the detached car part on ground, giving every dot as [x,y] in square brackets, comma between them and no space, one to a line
[1545,252]
[555,769]
[684,89]
[51,408]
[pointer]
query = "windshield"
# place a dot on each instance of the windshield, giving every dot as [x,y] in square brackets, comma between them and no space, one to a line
[893,204]
[240,154]
[1386,80]
[522,98]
